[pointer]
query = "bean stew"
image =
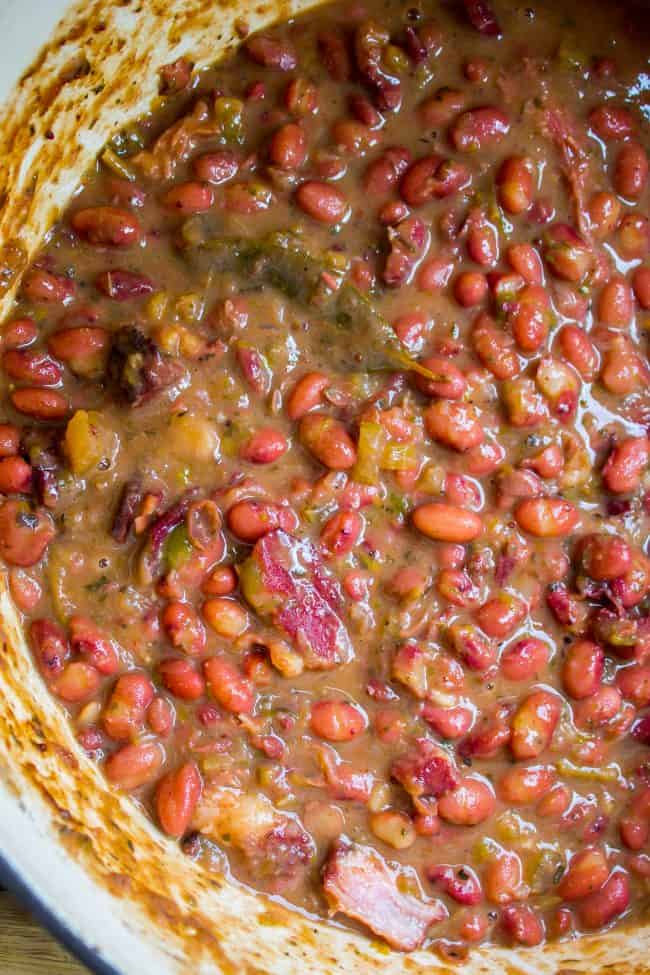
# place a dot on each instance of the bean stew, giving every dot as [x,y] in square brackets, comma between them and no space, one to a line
[324,463]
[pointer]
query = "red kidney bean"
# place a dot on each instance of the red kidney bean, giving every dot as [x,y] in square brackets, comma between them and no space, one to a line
[434,274]
[450,383]
[301,97]
[188,198]
[503,878]
[433,178]
[522,786]
[501,615]
[183,627]
[125,710]
[587,873]
[555,803]
[494,348]
[470,288]
[446,523]
[522,925]
[477,71]
[631,171]
[605,556]
[181,679]
[384,173]
[634,831]
[15,476]
[247,198]
[530,318]
[633,238]
[533,724]
[604,214]
[337,720]
[250,520]
[453,424]
[222,581]
[634,684]
[271,53]
[353,137]
[32,367]
[50,646]
[322,201]
[597,709]
[26,591]
[41,404]
[134,765]
[598,909]
[77,682]
[615,303]
[444,105]
[448,723]
[625,464]
[525,261]
[470,803]
[107,226]
[611,122]
[546,517]
[306,394]
[582,670]
[84,349]
[472,648]
[41,285]
[482,241]
[216,167]
[566,253]
[341,533]
[232,691]
[578,349]
[524,659]
[479,129]
[457,588]
[161,717]
[19,332]
[288,148]
[177,796]
[328,441]
[122,285]
[515,186]
[89,641]
[264,447]
[24,534]
[641,286]
[459,883]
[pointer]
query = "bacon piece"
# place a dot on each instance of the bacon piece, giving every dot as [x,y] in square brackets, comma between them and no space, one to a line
[132,495]
[360,884]
[425,770]
[177,143]
[285,581]
[564,132]
[344,781]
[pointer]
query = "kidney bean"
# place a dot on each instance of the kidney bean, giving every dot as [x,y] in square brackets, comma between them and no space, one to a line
[352,136]
[605,556]
[225,616]
[161,717]
[479,129]
[548,463]
[181,679]
[530,317]
[250,520]
[472,648]
[188,198]
[393,828]
[534,723]
[522,786]
[39,403]
[599,908]
[503,879]
[232,691]
[611,122]
[443,106]
[625,464]
[446,523]
[566,253]
[341,533]
[177,796]
[183,627]
[501,615]
[84,349]
[334,55]
[31,367]
[449,723]
[107,226]
[578,349]
[634,684]
[78,681]
[494,348]
[616,303]
[434,274]
[470,288]
[125,710]
[515,186]
[336,720]
[288,147]
[454,424]
[604,214]
[322,201]
[41,285]
[221,582]
[469,803]
[457,588]
[19,332]
[582,670]
[134,765]
[24,534]
[482,241]
[459,883]
[433,178]
[631,171]
[384,173]
[546,517]
[50,647]
[634,831]
[89,641]
[301,97]
[641,286]
[522,925]
[15,476]
[524,405]
[633,237]
[328,441]
[272,53]
[597,709]
[524,659]
[450,383]
[26,591]
[555,803]
[216,167]
[122,285]
[525,261]
[264,447]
